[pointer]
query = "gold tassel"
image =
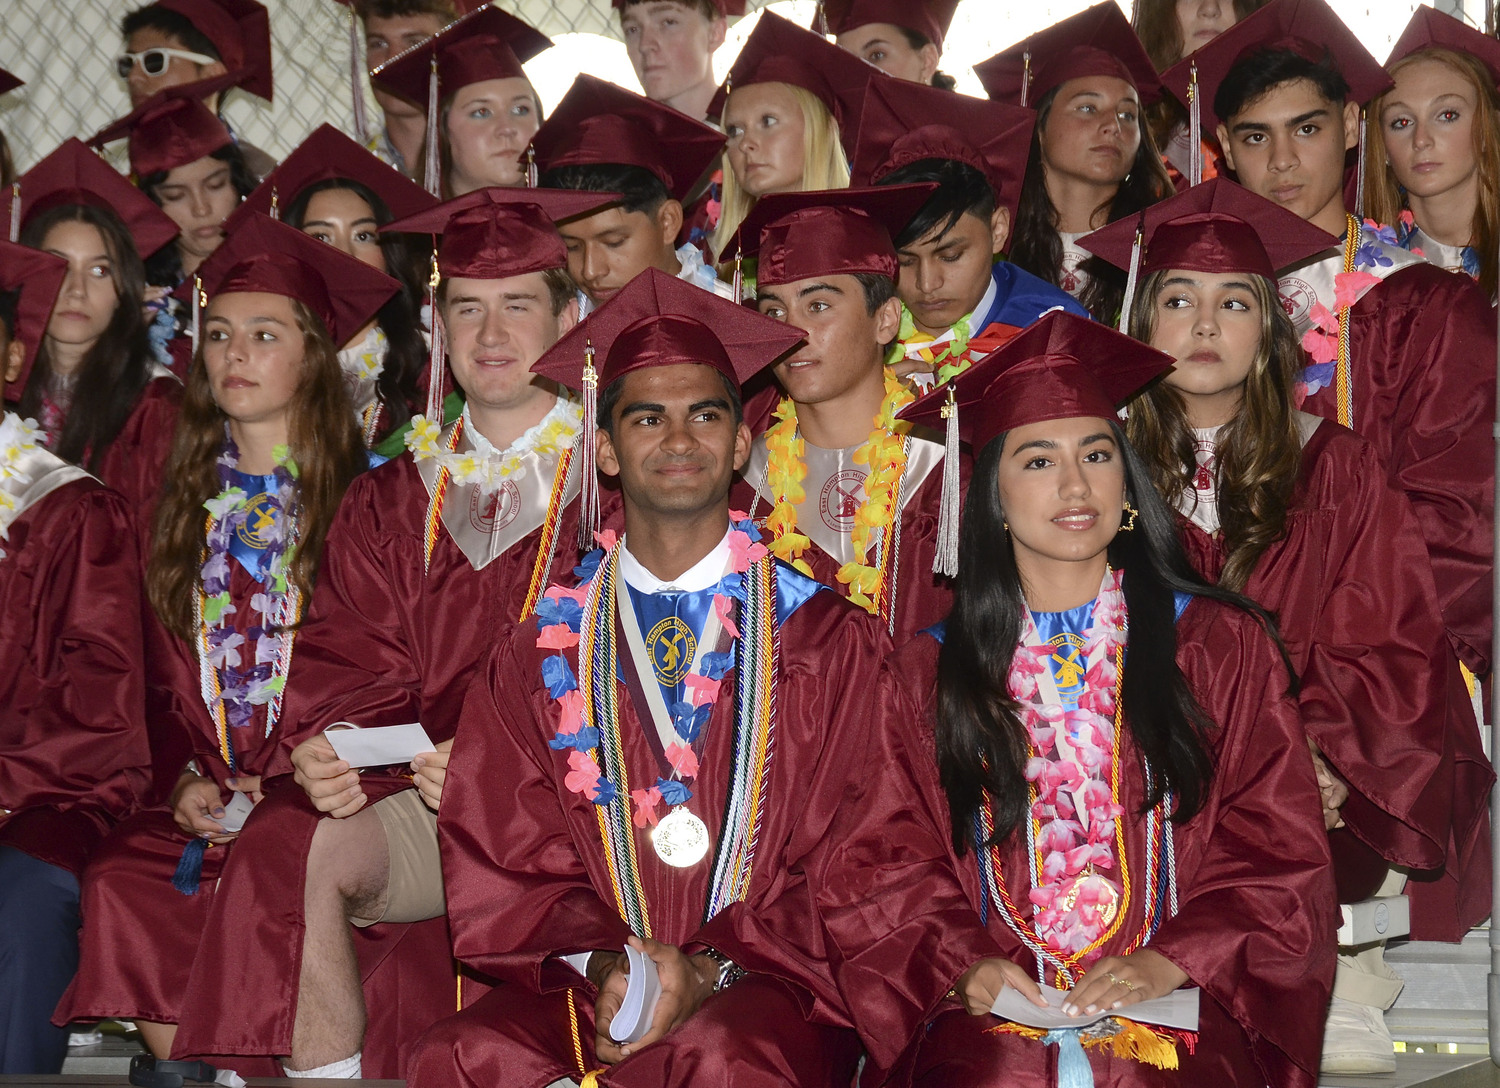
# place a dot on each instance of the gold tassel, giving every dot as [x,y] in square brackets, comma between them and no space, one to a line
[1139,1043]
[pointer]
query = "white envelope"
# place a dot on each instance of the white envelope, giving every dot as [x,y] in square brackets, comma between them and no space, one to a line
[1179,1009]
[236,812]
[379,745]
[641,995]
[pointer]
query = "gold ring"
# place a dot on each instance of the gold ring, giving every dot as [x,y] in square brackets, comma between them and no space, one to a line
[1112,978]
[1125,982]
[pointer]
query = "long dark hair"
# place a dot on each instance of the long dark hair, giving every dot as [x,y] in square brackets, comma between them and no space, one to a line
[400,317]
[115,370]
[164,267]
[323,440]
[1036,245]
[982,745]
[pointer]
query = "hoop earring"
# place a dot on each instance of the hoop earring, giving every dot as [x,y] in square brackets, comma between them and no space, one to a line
[1129,526]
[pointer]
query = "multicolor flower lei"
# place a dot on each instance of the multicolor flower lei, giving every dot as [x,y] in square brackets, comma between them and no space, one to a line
[489,472]
[17,436]
[559,618]
[1327,341]
[949,360]
[884,452]
[230,691]
[1067,893]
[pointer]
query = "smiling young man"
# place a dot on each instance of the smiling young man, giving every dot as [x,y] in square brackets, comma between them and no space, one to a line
[959,302]
[848,494]
[684,644]
[478,511]
[391,27]
[603,139]
[1400,351]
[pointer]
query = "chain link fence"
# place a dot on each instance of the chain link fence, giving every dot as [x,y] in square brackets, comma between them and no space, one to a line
[66,49]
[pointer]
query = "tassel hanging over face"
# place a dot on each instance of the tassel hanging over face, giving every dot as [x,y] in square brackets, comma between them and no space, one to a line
[1195,128]
[432,170]
[588,495]
[1132,277]
[357,79]
[199,301]
[439,350]
[945,561]
[1359,176]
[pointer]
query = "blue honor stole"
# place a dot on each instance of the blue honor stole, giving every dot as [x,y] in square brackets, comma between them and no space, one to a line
[1068,662]
[248,545]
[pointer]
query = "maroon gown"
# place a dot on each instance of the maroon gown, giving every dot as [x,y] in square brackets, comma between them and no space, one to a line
[1422,362]
[383,644]
[1380,690]
[528,880]
[136,460]
[140,934]
[1255,924]
[73,753]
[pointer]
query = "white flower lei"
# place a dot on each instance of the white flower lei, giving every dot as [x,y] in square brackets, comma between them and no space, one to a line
[489,467]
[17,436]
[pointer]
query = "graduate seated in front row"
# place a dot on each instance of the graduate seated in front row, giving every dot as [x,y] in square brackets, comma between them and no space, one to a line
[428,556]
[266,444]
[73,752]
[848,493]
[959,301]
[1048,810]
[1298,514]
[653,758]
[601,138]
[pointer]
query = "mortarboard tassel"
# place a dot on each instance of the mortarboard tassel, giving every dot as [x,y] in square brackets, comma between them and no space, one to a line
[737,286]
[1359,175]
[1025,76]
[15,211]
[439,351]
[275,202]
[588,494]
[433,166]
[823,17]
[1132,277]
[198,303]
[945,560]
[357,79]
[1195,129]
[531,174]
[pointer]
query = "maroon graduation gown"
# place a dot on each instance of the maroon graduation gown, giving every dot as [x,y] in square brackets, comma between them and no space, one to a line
[136,460]
[1254,929]
[73,754]
[1422,361]
[383,644]
[922,597]
[1379,690]
[528,880]
[140,934]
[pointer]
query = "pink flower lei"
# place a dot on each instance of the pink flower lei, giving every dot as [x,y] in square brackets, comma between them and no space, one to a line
[1071,769]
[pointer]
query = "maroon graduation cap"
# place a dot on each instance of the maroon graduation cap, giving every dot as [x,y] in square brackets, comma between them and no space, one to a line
[1431,29]
[170,129]
[485,44]
[726,8]
[241,33]
[929,18]
[39,278]
[1098,41]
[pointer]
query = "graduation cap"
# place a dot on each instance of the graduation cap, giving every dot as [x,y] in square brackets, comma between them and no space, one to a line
[1431,29]
[1219,226]
[264,255]
[1308,28]
[657,320]
[902,123]
[170,129]
[485,44]
[929,18]
[832,232]
[726,8]
[240,31]
[493,234]
[1098,41]
[9,82]
[1061,367]
[780,51]
[38,276]
[73,174]
[598,123]
[327,155]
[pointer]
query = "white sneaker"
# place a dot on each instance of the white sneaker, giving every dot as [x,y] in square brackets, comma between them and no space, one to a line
[1356,1040]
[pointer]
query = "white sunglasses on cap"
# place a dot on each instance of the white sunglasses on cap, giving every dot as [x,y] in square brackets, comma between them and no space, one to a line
[154,61]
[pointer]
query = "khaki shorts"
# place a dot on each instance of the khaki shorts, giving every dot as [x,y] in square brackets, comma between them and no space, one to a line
[415,891]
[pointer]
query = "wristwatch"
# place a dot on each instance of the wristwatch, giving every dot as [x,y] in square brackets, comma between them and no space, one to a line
[729,971]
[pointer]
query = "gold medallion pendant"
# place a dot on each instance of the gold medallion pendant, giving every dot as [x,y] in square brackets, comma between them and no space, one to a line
[680,839]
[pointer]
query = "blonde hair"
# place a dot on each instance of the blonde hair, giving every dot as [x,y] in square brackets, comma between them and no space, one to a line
[1384,199]
[823,166]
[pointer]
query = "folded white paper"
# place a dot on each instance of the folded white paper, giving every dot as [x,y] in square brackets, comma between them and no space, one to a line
[641,995]
[378,746]
[236,812]
[1179,1009]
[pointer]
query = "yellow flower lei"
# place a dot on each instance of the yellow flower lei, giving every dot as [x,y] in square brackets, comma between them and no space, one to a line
[552,435]
[885,454]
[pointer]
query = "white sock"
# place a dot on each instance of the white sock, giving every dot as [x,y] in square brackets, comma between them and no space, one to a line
[344,1069]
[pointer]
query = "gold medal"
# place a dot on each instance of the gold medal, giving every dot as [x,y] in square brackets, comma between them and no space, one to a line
[1109,899]
[680,839]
